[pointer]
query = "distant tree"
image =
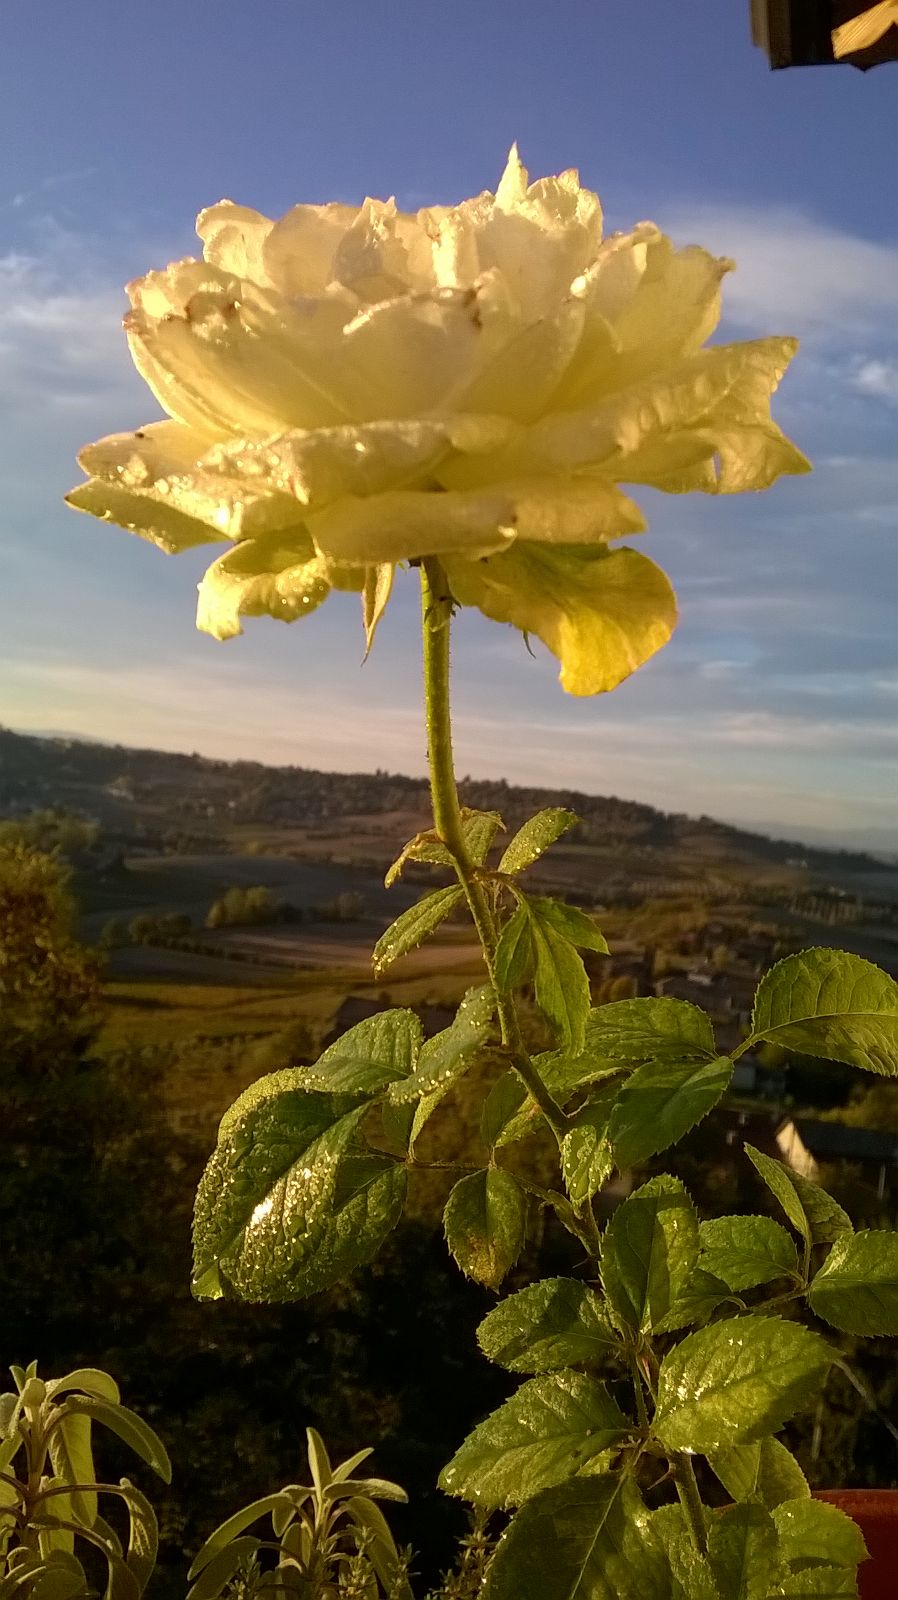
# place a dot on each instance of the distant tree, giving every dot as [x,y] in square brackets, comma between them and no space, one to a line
[245,908]
[48,983]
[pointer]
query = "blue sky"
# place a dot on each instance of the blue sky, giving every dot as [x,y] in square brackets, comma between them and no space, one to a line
[775,705]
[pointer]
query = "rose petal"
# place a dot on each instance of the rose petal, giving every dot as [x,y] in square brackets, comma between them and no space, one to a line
[406,524]
[234,239]
[730,384]
[319,465]
[277,575]
[602,613]
[375,596]
[160,463]
[299,252]
[420,353]
[231,357]
[161,524]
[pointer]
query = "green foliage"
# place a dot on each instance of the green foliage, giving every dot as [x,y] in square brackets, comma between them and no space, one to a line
[856,1289]
[54,1513]
[660,1102]
[414,926]
[240,908]
[330,1538]
[650,1251]
[587,1159]
[485,1222]
[290,1202]
[650,1030]
[555,1323]
[828,1003]
[764,1470]
[479,829]
[737,1381]
[48,982]
[541,940]
[815,1534]
[747,1251]
[743,1553]
[585,1539]
[549,1430]
[534,837]
[812,1212]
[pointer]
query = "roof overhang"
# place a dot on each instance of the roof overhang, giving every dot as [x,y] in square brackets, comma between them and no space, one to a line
[819,33]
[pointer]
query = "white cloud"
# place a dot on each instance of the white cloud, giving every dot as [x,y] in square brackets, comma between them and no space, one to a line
[60,332]
[879,378]
[794,271]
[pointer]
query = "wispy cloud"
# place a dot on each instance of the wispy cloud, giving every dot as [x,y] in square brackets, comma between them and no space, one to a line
[878,378]
[794,271]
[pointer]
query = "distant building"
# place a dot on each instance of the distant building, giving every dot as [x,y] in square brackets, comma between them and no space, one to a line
[822,33]
[806,1144]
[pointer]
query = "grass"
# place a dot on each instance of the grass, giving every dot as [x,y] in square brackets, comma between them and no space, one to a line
[162,1013]
[157,1013]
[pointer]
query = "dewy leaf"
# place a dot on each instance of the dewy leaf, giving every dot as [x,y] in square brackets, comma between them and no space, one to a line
[376,1052]
[832,1004]
[514,952]
[560,985]
[501,1105]
[856,1289]
[479,829]
[820,1583]
[696,1300]
[267,1195]
[587,1539]
[587,1159]
[765,1470]
[563,1073]
[557,1322]
[743,1554]
[747,1251]
[449,1053]
[812,1212]
[551,1428]
[485,1221]
[368,1200]
[660,1102]
[573,924]
[650,1030]
[650,1252]
[815,1534]
[414,925]
[737,1381]
[535,836]
[690,1575]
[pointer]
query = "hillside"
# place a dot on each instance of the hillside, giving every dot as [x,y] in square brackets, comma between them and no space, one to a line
[186,802]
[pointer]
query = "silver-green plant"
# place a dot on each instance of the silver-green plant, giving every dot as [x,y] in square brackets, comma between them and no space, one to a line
[330,1540]
[50,1522]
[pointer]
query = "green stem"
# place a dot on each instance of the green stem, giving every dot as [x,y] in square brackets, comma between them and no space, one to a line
[638,1390]
[436,619]
[690,1499]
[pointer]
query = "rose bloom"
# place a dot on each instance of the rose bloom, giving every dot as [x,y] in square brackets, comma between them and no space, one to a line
[353,388]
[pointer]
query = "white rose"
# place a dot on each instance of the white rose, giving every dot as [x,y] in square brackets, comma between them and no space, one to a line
[349,389]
